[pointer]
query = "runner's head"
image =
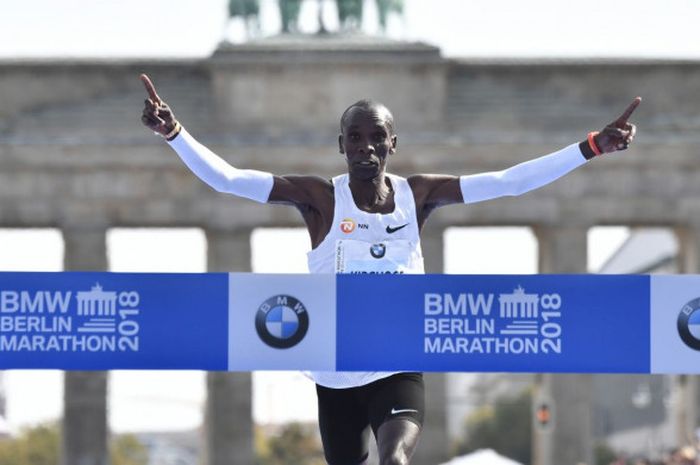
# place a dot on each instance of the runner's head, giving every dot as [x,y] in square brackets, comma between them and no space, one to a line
[366,138]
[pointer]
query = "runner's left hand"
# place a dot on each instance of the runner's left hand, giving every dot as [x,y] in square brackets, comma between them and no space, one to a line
[619,134]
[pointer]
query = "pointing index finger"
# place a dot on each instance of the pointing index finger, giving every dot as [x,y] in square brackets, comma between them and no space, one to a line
[622,120]
[150,88]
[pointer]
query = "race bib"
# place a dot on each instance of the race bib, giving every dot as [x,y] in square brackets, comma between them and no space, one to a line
[391,257]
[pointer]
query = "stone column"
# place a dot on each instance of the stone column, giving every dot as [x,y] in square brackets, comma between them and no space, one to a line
[562,250]
[541,436]
[569,440]
[229,411]
[434,444]
[3,400]
[685,395]
[684,408]
[85,430]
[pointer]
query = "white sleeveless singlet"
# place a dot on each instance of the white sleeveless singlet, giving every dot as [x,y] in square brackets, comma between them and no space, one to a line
[361,242]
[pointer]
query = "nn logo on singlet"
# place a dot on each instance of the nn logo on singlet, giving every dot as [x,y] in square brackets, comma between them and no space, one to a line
[348,225]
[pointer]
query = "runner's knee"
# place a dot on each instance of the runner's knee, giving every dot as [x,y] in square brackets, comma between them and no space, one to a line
[397,440]
[396,456]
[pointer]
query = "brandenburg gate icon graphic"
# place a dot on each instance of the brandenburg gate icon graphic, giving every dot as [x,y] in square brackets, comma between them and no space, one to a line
[97,302]
[519,305]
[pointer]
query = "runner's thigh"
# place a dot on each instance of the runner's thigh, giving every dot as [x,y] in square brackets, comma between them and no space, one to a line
[344,425]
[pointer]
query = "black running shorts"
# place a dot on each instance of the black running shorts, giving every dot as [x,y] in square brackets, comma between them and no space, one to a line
[346,415]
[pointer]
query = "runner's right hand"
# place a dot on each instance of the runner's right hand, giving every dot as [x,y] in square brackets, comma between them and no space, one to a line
[157,115]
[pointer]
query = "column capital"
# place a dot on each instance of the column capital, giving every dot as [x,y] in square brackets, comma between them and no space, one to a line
[85,247]
[562,248]
[433,247]
[688,257]
[229,250]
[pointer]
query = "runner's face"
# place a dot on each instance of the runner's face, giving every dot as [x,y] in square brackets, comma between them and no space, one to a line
[366,141]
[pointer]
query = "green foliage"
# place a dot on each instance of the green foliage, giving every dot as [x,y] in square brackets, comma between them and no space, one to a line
[505,427]
[34,446]
[40,445]
[603,454]
[295,444]
[127,450]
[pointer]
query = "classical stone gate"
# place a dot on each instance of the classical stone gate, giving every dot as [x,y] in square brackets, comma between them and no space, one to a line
[74,156]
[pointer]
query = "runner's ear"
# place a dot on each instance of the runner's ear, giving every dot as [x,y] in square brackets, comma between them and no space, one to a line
[340,144]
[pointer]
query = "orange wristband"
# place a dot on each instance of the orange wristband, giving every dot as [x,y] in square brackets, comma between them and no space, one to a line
[591,142]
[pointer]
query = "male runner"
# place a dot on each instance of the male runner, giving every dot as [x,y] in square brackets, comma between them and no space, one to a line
[393,211]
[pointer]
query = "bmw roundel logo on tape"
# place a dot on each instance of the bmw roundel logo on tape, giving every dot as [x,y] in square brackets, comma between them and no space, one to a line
[282,321]
[689,324]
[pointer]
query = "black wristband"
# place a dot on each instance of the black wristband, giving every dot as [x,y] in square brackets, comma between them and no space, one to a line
[586,150]
[174,133]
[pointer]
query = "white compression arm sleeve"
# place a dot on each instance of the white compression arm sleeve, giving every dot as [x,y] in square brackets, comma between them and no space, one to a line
[218,173]
[521,178]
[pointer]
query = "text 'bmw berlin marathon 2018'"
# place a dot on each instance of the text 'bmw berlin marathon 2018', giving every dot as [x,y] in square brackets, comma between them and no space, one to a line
[93,320]
[489,323]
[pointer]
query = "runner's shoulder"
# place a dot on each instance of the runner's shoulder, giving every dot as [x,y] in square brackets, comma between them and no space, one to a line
[301,189]
[309,182]
[429,181]
[434,190]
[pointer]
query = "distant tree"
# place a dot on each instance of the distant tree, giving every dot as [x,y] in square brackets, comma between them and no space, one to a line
[506,427]
[295,444]
[603,454]
[40,445]
[128,450]
[388,6]
[249,11]
[34,446]
[289,11]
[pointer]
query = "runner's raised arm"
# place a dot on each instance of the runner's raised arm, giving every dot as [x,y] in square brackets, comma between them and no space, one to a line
[437,190]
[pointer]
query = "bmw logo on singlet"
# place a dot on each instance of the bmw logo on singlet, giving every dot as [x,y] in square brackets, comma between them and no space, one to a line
[689,324]
[377,250]
[282,321]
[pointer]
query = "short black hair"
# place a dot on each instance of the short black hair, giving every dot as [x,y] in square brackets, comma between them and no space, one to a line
[368,106]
